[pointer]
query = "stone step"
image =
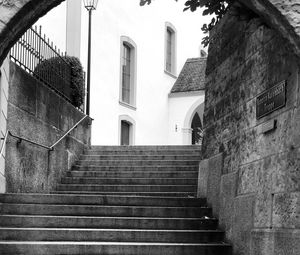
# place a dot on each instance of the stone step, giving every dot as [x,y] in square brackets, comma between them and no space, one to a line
[110,211]
[134,194]
[107,222]
[122,163]
[139,157]
[111,235]
[126,188]
[100,200]
[135,174]
[112,248]
[37,221]
[135,168]
[147,148]
[144,152]
[130,181]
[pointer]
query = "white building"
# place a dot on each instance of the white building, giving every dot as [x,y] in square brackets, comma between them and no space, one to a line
[137,54]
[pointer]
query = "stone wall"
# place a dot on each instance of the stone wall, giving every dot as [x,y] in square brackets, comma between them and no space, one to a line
[4,80]
[256,189]
[38,114]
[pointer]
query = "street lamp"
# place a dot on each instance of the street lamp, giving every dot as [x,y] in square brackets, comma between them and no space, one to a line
[90,5]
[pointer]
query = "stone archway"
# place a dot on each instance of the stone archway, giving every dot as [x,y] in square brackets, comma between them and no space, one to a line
[16,16]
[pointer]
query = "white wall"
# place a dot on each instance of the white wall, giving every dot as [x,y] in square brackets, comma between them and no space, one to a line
[4,83]
[182,107]
[54,25]
[146,26]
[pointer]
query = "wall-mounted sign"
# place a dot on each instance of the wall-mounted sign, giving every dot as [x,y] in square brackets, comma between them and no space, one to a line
[271,100]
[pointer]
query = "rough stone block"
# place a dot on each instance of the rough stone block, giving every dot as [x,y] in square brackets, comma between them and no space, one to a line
[243,223]
[215,166]
[286,210]
[287,242]
[227,197]
[262,242]
[203,178]
[22,89]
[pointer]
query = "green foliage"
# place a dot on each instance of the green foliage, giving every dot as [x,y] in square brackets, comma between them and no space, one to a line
[217,8]
[77,81]
[57,73]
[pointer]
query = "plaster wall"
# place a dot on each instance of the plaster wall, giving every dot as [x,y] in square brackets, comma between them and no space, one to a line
[256,186]
[146,27]
[4,83]
[36,113]
[182,108]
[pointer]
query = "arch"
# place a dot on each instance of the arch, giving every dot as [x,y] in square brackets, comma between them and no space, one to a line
[132,124]
[16,17]
[131,45]
[198,106]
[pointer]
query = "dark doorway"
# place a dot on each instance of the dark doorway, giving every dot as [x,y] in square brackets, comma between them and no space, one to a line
[196,129]
[125,132]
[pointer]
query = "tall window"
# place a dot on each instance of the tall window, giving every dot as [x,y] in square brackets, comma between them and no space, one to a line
[170,49]
[127,72]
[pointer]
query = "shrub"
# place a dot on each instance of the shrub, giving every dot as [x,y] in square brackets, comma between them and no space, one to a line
[52,70]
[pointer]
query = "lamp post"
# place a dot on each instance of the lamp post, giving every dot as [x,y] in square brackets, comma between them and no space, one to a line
[90,5]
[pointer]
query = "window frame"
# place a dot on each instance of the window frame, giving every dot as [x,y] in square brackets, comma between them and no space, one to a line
[131,122]
[127,42]
[170,33]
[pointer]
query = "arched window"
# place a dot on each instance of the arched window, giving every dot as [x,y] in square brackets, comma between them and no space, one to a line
[170,49]
[128,72]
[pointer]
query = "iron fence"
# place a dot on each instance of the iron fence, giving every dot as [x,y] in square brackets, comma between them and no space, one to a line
[39,57]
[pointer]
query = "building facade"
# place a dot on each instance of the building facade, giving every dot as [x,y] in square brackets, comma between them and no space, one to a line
[137,54]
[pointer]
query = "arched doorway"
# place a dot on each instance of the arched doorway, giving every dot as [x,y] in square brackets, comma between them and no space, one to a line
[196,129]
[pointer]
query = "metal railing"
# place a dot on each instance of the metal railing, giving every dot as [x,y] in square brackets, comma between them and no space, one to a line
[68,132]
[49,148]
[39,57]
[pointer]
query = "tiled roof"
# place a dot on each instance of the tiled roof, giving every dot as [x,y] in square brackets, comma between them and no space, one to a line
[191,77]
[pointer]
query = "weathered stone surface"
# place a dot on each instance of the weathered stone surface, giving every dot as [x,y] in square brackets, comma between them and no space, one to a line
[242,64]
[203,178]
[286,242]
[215,170]
[286,210]
[227,195]
[46,116]
[262,242]
[243,224]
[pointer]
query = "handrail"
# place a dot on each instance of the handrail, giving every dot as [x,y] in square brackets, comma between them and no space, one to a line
[68,132]
[51,148]
[4,142]
[29,141]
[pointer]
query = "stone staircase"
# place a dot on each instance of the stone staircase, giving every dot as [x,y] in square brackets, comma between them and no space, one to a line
[137,200]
